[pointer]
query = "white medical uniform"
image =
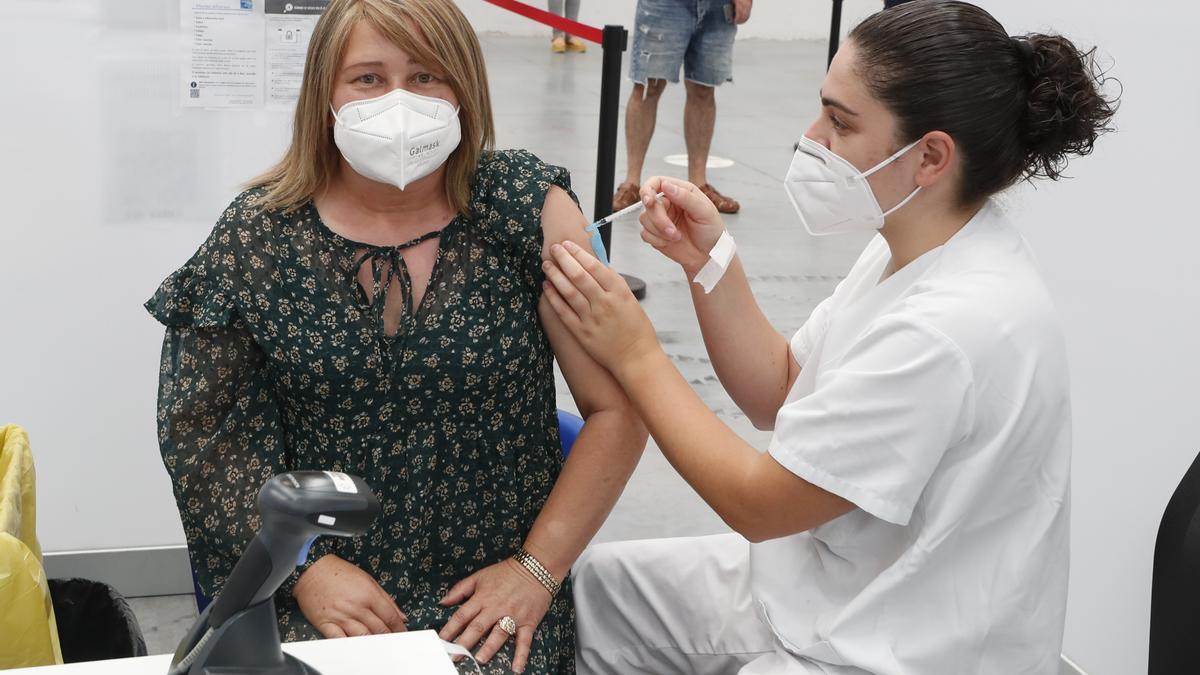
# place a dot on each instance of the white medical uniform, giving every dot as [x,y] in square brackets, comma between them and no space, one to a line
[936,401]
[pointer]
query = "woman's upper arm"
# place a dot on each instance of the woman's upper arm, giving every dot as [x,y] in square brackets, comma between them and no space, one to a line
[592,387]
[562,221]
[220,428]
[213,401]
[221,438]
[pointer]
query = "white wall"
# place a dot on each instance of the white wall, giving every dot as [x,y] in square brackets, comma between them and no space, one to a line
[771,19]
[1118,247]
[107,185]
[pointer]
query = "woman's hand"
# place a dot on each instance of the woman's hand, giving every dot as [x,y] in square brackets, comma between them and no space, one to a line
[494,592]
[596,305]
[341,600]
[684,226]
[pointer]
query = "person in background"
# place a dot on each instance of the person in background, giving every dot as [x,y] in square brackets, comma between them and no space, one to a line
[696,35]
[562,42]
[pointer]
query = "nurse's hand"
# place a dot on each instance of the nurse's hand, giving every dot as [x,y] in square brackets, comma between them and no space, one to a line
[684,225]
[341,600]
[485,597]
[596,305]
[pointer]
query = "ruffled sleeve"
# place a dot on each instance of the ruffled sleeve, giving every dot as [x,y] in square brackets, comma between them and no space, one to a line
[201,293]
[509,192]
[219,424]
[190,298]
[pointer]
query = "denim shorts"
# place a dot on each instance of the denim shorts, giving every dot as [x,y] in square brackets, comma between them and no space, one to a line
[691,33]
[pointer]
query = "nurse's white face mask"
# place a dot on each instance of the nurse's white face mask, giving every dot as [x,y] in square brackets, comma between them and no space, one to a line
[396,138]
[830,195]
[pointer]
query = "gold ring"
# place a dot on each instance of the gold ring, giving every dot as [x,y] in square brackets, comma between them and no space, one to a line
[508,625]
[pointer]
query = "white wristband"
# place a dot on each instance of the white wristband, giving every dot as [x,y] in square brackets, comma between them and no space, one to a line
[718,261]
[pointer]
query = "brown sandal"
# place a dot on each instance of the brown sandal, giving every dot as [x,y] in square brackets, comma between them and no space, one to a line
[627,194]
[724,204]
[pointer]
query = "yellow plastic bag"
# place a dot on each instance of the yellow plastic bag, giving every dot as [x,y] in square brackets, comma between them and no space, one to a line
[28,634]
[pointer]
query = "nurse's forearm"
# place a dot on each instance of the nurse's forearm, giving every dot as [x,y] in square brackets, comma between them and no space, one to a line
[709,456]
[728,473]
[601,461]
[749,356]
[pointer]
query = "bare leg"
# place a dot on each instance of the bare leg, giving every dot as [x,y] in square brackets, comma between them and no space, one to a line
[699,119]
[640,116]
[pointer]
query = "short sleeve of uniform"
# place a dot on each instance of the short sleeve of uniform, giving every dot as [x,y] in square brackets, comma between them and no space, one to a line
[880,418]
[806,338]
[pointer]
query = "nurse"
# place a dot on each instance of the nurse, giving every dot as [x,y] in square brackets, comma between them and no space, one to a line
[911,513]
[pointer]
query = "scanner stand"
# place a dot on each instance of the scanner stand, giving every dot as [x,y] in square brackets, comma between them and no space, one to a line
[246,644]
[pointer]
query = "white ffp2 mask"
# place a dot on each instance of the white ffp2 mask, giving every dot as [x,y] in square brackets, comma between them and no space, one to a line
[830,195]
[396,138]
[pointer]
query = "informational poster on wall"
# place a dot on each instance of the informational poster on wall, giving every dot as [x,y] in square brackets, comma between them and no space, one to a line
[224,68]
[289,27]
[244,53]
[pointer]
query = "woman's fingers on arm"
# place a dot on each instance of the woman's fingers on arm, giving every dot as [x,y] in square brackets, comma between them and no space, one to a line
[566,287]
[521,654]
[604,278]
[568,256]
[564,311]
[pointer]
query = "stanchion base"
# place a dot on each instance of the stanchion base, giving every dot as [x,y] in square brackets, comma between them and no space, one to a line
[636,285]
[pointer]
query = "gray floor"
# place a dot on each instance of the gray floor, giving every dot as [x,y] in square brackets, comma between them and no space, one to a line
[547,103]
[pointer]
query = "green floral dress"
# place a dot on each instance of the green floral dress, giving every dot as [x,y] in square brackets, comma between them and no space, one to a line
[276,359]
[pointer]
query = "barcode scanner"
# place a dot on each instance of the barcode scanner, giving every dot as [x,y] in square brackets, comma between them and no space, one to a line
[238,632]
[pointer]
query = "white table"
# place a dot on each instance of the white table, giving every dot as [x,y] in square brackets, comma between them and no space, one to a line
[417,653]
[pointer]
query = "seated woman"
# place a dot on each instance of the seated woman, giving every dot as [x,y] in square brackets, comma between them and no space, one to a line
[373,304]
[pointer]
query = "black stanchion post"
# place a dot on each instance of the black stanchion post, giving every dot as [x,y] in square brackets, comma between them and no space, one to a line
[616,41]
[835,31]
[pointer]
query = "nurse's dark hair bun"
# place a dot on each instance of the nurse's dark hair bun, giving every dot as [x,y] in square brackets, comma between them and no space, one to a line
[1065,111]
[1016,107]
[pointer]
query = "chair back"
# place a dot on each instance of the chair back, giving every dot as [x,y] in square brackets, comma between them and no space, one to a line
[1175,590]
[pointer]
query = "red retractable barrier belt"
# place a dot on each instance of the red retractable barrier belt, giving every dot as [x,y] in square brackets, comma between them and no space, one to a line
[553,20]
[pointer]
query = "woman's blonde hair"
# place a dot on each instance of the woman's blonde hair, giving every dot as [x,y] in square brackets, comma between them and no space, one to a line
[434,33]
